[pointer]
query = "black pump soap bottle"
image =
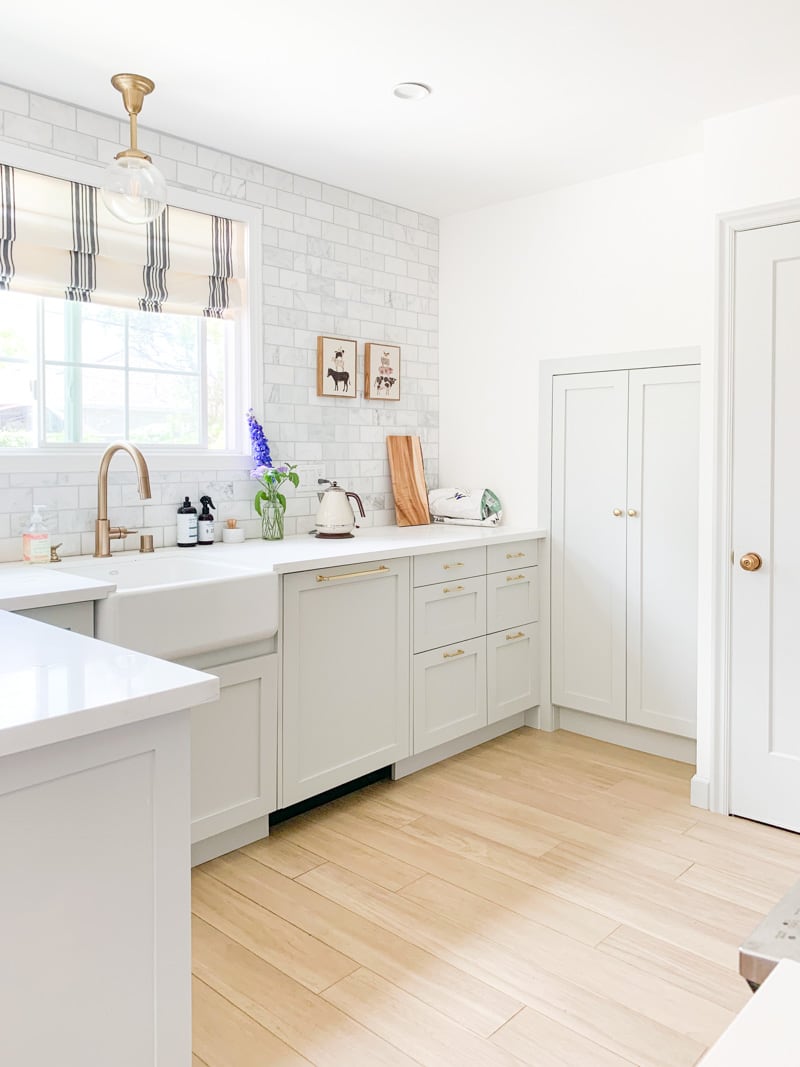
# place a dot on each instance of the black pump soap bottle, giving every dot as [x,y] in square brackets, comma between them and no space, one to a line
[187,524]
[205,522]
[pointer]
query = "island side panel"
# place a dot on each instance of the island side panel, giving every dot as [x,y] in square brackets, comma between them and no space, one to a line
[95,899]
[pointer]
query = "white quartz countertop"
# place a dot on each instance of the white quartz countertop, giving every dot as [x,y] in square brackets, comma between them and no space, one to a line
[764,1030]
[304,552]
[41,585]
[58,685]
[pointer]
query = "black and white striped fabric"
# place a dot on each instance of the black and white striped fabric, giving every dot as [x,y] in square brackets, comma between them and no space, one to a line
[58,239]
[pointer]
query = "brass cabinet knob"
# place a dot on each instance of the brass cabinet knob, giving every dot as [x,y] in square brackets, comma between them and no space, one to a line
[633,512]
[616,512]
[751,561]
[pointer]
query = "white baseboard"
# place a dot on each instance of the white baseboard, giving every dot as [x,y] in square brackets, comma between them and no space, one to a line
[627,735]
[230,840]
[459,744]
[533,718]
[700,795]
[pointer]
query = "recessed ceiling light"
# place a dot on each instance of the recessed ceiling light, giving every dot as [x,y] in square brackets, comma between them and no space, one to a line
[412,90]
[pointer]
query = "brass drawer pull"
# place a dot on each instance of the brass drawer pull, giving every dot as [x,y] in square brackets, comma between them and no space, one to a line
[514,555]
[452,655]
[513,637]
[351,574]
[454,589]
[515,578]
[449,566]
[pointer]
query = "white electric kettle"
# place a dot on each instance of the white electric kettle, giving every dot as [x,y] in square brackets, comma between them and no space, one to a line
[335,516]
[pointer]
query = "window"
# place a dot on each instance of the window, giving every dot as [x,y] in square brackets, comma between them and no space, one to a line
[74,373]
[112,331]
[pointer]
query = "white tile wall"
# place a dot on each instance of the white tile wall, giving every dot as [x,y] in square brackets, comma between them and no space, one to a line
[335,262]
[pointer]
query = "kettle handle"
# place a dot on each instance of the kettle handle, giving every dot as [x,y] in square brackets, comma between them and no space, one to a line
[357,498]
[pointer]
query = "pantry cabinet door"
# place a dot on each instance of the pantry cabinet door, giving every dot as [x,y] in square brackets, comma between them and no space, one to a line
[662,520]
[588,539]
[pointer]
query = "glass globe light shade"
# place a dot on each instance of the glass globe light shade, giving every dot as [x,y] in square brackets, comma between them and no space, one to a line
[134,190]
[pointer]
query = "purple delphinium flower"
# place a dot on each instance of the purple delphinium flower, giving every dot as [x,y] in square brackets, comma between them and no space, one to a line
[259,443]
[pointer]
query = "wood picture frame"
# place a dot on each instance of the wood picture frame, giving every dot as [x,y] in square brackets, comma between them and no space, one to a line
[337,359]
[381,371]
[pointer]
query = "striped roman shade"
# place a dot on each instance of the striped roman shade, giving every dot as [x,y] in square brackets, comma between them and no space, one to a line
[58,239]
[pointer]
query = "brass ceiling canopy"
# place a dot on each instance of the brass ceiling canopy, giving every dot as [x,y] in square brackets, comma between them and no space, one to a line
[134,88]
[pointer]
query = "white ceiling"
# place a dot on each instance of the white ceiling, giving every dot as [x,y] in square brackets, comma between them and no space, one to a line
[528,94]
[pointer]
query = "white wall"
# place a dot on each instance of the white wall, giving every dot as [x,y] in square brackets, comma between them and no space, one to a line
[606,266]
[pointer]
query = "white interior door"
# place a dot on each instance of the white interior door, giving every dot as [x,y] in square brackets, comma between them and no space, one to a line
[662,506]
[588,532]
[765,652]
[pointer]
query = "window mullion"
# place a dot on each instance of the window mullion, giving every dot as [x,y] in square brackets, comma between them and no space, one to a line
[73,379]
[203,365]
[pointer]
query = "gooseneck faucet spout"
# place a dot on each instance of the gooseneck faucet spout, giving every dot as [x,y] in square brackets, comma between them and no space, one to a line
[103,532]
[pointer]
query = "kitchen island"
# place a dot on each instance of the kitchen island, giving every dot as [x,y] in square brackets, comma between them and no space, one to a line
[94,839]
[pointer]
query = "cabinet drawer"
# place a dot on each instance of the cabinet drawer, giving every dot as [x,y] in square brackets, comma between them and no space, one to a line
[511,555]
[449,693]
[512,598]
[441,566]
[512,671]
[454,611]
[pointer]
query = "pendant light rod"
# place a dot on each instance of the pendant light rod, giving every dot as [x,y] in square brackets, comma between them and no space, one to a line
[134,88]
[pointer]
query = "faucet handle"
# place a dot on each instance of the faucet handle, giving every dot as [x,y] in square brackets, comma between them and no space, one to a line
[54,556]
[116,533]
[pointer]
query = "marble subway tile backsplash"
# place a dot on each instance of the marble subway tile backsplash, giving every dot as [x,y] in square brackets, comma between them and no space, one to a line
[334,262]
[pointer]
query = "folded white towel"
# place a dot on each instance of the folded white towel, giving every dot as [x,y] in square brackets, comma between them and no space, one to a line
[472,506]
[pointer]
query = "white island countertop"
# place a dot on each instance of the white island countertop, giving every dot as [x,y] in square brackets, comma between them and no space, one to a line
[58,685]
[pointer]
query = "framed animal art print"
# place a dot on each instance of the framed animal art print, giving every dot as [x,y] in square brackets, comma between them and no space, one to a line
[382,369]
[336,367]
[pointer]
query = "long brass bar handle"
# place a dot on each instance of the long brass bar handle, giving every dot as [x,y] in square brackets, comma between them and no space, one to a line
[515,578]
[452,655]
[513,637]
[514,555]
[351,574]
[449,566]
[453,589]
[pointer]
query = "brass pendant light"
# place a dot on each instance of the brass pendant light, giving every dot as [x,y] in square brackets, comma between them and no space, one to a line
[133,189]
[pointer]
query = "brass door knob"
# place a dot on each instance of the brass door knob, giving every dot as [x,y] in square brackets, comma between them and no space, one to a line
[633,512]
[750,561]
[616,512]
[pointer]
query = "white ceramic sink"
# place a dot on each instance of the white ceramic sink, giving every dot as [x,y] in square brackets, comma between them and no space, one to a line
[174,606]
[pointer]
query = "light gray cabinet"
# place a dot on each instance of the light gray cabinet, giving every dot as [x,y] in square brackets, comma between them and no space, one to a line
[449,693]
[78,617]
[234,748]
[346,668]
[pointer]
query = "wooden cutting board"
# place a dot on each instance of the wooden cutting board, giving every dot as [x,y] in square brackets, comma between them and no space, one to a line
[408,481]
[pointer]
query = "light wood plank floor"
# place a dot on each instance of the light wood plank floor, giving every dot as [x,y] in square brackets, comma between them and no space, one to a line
[544,899]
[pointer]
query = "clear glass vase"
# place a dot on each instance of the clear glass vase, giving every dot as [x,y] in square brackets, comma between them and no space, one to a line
[271,521]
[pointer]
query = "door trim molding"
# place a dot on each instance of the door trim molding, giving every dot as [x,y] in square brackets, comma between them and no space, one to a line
[717,786]
[548,715]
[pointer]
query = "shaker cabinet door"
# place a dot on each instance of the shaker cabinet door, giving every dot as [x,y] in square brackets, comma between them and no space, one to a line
[449,693]
[512,671]
[346,673]
[588,541]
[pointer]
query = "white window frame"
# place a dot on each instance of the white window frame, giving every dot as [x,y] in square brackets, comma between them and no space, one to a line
[248,391]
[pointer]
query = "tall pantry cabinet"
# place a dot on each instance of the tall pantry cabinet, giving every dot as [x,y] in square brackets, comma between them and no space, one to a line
[624,516]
